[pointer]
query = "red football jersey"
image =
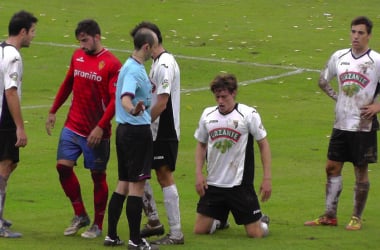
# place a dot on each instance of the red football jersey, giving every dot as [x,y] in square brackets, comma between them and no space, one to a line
[92,81]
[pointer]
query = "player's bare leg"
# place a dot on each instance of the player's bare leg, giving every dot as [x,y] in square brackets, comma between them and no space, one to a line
[333,189]
[258,229]
[6,168]
[203,224]
[360,197]
[154,226]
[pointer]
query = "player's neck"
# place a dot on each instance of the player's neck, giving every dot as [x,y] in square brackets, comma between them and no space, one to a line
[158,51]
[138,58]
[359,52]
[14,41]
[98,50]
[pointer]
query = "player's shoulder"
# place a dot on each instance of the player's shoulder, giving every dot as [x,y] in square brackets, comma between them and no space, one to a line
[10,51]
[209,110]
[109,56]
[374,54]
[78,53]
[243,108]
[342,52]
[166,57]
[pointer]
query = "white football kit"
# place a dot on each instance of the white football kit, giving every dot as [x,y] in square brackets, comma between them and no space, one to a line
[358,80]
[165,77]
[11,70]
[230,137]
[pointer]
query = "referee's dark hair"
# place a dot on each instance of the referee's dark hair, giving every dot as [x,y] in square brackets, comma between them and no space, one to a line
[148,25]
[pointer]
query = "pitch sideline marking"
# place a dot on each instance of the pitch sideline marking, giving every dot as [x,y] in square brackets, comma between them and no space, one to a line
[294,71]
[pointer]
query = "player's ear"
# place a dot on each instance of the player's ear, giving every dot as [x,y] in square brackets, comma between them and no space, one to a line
[98,37]
[146,46]
[23,31]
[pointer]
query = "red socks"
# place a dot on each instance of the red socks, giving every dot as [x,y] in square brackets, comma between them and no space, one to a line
[70,185]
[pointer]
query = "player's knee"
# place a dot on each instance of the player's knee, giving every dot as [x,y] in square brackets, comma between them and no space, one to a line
[332,170]
[200,230]
[64,171]
[165,179]
[98,176]
[260,230]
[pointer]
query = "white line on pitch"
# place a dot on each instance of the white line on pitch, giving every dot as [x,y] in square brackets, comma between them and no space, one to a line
[191,58]
[247,82]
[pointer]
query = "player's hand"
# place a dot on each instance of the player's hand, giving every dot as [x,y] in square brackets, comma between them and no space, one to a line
[368,111]
[22,140]
[266,189]
[95,137]
[139,108]
[50,121]
[200,185]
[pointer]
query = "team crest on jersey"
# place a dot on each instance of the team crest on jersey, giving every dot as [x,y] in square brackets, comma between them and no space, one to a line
[165,84]
[365,66]
[13,76]
[101,65]
[236,123]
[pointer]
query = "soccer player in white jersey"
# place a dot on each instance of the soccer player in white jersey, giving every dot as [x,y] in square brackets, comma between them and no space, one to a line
[226,134]
[21,31]
[165,78]
[354,137]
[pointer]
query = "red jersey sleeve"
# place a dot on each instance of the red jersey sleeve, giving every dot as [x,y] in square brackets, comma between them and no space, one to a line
[110,110]
[64,90]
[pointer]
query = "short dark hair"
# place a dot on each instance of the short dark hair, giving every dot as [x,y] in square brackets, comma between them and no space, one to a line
[21,20]
[142,36]
[89,27]
[363,20]
[224,82]
[148,25]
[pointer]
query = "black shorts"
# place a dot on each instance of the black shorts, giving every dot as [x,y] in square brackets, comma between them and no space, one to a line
[360,148]
[8,151]
[241,201]
[165,154]
[134,148]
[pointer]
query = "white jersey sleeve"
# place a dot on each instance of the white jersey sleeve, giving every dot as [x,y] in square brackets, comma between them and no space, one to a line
[165,77]
[11,67]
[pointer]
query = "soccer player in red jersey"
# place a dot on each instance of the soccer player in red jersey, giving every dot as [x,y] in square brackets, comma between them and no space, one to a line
[91,79]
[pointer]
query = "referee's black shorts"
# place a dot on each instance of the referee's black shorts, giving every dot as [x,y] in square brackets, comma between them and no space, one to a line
[134,148]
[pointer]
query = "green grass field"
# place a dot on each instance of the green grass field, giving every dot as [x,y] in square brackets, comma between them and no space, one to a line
[275,48]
